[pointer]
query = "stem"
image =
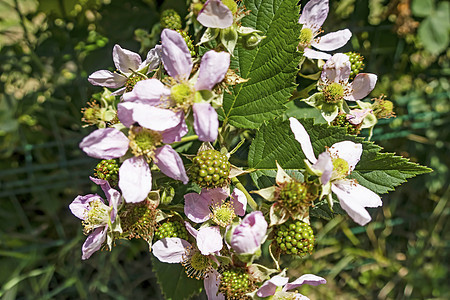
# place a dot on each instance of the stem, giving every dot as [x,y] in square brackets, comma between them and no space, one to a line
[187,139]
[250,200]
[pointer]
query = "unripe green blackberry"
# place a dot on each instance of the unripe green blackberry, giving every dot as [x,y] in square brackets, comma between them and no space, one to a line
[138,220]
[170,19]
[356,60]
[235,283]
[108,170]
[342,121]
[383,108]
[294,238]
[188,40]
[296,197]
[171,228]
[210,169]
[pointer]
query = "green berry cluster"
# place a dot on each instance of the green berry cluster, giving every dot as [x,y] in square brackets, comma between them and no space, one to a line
[341,121]
[138,220]
[170,19]
[108,170]
[188,40]
[235,283]
[210,169]
[383,108]
[295,238]
[296,197]
[356,60]
[171,228]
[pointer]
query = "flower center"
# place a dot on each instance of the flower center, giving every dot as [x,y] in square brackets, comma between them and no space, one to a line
[96,216]
[306,36]
[181,93]
[196,264]
[143,141]
[132,80]
[223,214]
[340,168]
[333,93]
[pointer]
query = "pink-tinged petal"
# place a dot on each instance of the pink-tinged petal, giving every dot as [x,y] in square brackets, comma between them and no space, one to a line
[356,116]
[299,296]
[93,242]
[309,279]
[215,14]
[191,230]
[118,92]
[80,205]
[105,143]
[365,197]
[153,59]
[175,134]
[104,184]
[239,202]
[209,240]
[211,284]
[348,151]
[333,40]
[248,236]
[361,86]
[196,207]
[155,118]
[170,163]
[213,67]
[303,138]
[125,60]
[170,250]
[337,69]
[325,165]
[312,54]
[206,123]
[135,179]
[125,113]
[269,287]
[314,14]
[176,56]
[149,91]
[107,79]
[114,199]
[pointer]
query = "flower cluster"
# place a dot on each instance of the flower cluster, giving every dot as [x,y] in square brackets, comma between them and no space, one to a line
[166,159]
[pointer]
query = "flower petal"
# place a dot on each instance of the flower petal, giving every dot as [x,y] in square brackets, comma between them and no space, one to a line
[269,287]
[107,79]
[248,236]
[190,229]
[314,14]
[213,67]
[348,151]
[125,60]
[361,86]
[104,184]
[209,240]
[337,69]
[114,200]
[135,179]
[310,279]
[176,56]
[80,205]
[324,165]
[105,143]
[206,123]
[215,14]
[353,198]
[356,116]
[175,134]
[155,118]
[211,284]
[239,202]
[93,242]
[153,59]
[170,163]
[312,54]
[149,91]
[170,250]
[196,207]
[303,138]
[332,40]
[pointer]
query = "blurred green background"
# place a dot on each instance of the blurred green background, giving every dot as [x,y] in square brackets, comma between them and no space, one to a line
[48,49]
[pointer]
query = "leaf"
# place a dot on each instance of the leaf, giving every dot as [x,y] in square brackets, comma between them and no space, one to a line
[174,283]
[271,67]
[380,172]
[433,31]
[422,8]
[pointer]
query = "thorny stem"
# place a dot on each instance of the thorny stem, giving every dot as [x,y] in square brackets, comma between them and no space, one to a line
[250,200]
[186,139]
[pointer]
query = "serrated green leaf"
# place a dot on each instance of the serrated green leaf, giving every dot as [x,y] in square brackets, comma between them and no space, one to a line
[380,172]
[271,67]
[174,283]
